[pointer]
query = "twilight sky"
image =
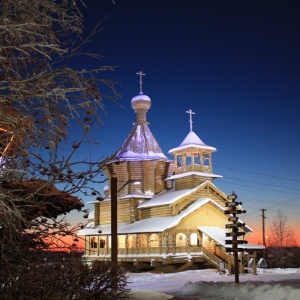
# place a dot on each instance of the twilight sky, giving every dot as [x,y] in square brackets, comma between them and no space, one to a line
[236,64]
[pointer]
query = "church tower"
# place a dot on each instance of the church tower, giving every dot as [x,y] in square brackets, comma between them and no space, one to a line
[193,161]
[140,162]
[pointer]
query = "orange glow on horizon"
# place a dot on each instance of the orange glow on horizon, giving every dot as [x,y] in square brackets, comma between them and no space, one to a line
[68,243]
[256,238]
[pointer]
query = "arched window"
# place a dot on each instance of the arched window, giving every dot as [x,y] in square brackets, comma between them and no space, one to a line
[180,240]
[94,242]
[102,242]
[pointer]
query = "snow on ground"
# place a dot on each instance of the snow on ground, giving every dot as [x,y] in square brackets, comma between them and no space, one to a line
[269,284]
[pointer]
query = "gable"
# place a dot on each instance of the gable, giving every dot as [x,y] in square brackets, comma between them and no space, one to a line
[207,215]
[205,190]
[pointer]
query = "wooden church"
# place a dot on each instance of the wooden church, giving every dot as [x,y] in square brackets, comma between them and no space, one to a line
[170,214]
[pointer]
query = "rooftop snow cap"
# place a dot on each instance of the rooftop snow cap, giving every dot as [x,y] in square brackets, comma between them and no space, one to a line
[192,139]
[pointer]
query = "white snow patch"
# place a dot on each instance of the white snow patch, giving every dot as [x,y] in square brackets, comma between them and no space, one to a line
[186,174]
[268,284]
[192,141]
[140,97]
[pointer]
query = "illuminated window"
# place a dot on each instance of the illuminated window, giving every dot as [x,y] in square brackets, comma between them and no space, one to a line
[131,241]
[194,239]
[180,239]
[143,240]
[154,240]
[121,241]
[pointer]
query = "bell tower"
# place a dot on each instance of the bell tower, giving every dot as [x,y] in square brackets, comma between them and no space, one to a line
[193,161]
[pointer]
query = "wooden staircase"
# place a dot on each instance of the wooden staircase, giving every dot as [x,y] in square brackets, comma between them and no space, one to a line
[212,258]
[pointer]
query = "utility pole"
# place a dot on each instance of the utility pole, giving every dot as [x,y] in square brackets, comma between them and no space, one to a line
[263,230]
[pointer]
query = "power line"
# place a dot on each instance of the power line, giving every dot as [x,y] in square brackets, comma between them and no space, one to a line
[287,192]
[264,183]
[256,173]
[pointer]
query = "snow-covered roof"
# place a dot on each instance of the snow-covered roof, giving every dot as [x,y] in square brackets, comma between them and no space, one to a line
[218,234]
[140,145]
[126,196]
[139,195]
[160,224]
[157,224]
[167,197]
[192,141]
[202,174]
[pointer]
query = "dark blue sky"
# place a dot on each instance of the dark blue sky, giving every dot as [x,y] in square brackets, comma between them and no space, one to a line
[236,64]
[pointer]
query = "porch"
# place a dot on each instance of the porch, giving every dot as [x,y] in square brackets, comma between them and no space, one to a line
[159,258]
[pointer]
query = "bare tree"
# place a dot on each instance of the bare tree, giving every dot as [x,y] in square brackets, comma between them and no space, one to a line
[282,235]
[43,97]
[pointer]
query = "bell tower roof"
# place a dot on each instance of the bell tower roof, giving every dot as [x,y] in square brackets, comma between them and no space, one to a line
[192,140]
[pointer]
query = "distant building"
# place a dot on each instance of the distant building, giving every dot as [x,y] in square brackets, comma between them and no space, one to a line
[170,213]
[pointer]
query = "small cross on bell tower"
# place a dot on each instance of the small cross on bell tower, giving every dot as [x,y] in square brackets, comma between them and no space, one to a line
[141,80]
[191,122]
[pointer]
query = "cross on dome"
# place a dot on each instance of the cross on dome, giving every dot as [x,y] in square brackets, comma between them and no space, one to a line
[141,80]
[191,122]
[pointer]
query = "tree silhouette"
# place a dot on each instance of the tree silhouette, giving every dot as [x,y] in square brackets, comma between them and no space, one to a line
[43,97]
[282,235]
